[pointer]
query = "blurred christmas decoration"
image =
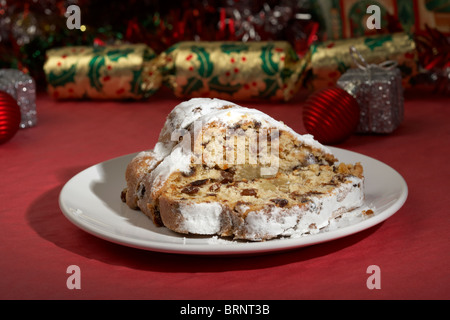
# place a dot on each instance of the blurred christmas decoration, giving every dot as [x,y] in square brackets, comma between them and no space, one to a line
[101,72]
[23,89]
[434,81]
[29,28]
[347,19]
[330,59]
[9,117]
[292,21]
[378,90]
[423,20]
[433,48]
[331,115]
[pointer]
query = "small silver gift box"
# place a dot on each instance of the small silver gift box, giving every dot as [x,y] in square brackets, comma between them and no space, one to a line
[23,89]
[379,93]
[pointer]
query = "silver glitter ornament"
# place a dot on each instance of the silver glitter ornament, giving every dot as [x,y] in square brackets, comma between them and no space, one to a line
[379,92]
[23,89]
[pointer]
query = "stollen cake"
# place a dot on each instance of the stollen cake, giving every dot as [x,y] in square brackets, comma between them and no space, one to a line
[225,170]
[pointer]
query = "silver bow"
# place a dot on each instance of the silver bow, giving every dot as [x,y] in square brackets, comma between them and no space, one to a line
[359,60]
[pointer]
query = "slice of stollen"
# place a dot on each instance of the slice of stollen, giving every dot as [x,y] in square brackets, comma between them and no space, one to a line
[222,169]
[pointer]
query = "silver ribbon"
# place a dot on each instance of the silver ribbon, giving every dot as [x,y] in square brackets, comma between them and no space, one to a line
[359,60]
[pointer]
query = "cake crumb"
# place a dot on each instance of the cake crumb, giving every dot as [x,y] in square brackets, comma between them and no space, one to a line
[218,240]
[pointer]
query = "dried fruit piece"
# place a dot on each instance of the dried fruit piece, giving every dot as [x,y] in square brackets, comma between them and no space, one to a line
[280,202]
[214,187]
[249,192]
[198,183]
[190,190]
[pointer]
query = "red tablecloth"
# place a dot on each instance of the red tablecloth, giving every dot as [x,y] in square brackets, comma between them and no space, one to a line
[37,243]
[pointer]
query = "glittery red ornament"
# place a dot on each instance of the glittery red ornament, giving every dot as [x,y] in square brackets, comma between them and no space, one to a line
[9,117]
[331,115]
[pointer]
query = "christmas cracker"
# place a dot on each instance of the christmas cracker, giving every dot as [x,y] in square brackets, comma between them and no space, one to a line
[233,70]
[102,72]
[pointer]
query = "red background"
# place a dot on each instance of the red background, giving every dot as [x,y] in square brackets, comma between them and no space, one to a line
[37,243]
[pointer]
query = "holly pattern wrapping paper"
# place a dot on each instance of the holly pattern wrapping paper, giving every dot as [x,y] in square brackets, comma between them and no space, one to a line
[232,70]
[103,72]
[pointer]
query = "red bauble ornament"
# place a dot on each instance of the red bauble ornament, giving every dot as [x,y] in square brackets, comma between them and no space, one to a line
[331,115]
[9,117]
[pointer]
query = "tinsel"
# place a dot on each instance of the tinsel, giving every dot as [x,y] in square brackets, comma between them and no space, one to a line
[433,48]
[23,89]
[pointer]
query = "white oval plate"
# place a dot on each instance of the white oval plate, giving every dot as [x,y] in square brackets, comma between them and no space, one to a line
[91,200]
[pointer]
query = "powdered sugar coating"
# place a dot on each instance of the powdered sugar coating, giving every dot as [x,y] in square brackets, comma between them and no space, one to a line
[208,110]
[201,218]
[189,111]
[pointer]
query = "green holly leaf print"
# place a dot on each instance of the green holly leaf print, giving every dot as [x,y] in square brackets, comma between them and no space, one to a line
[136,83]
[149,55]
[342,67]
[286,74]
[233,47]
[95,64]
[67,76]
[292,55]
[193,84]
[98,61]
[172,48]
[215,85]
[268,65]
[270,90]
[116,54]
[136,86]
[372,43]
[206,67]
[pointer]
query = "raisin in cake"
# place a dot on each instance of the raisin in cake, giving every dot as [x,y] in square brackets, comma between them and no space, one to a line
[222,169]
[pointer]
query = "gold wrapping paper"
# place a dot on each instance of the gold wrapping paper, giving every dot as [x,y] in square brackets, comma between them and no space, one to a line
[331,59]
[232,70]
[105,72]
